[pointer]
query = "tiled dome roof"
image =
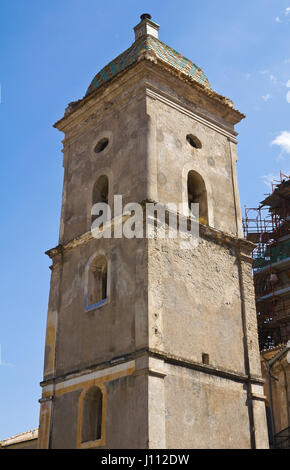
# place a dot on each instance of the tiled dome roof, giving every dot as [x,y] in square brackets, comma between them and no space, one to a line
[163,53]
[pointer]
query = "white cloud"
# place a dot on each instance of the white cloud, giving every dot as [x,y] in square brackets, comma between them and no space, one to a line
[268,179]
[277,19]
[283,141]
[274,177]
[288,84]
[270,76]
[287,11]
[266,97]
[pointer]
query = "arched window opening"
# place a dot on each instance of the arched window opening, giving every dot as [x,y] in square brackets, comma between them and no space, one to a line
[197,194]
[92,415]
[100,193]
[193,141]
[97,281]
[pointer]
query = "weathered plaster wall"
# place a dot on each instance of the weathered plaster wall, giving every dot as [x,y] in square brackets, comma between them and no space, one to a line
[118,327]
[65,421]
[124,410]
[281,394]
[195,303]
[280,385]
[127,413]
[203,411]
[175,157]
[202,301]
[123,122]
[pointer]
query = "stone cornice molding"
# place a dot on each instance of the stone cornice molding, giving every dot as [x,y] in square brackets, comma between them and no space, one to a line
[195,115]
[243,247]
[164,356]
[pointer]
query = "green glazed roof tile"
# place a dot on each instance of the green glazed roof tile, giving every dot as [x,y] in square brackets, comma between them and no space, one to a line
[163,53]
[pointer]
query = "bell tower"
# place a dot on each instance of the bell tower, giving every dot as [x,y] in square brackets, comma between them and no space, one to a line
[150,344]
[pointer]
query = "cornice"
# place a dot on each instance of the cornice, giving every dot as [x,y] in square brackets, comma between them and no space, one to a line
[165,356]
[244,247]
[174,103]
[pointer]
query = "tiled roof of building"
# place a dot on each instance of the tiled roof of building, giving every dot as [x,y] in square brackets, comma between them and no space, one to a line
[163,53]
[23,437]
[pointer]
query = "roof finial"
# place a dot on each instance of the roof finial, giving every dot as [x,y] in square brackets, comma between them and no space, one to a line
[145,16]
[146,26]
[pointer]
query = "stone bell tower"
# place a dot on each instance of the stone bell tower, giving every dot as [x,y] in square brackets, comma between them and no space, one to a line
[149,345]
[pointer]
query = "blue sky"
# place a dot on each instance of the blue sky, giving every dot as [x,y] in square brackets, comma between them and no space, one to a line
[49,51]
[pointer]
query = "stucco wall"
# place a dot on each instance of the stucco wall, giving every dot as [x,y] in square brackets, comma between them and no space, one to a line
[175,157]
[119,327]
[125,410]
[195,295]
[205,412]
[124,124]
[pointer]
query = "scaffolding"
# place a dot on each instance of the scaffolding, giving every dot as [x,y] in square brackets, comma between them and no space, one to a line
[268,227]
